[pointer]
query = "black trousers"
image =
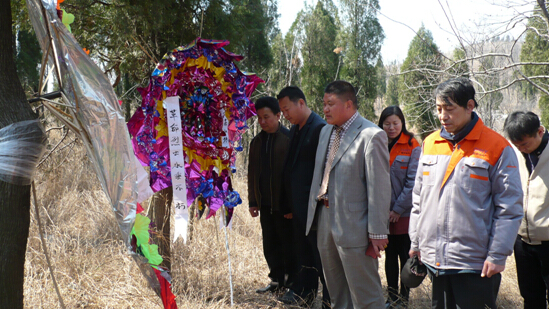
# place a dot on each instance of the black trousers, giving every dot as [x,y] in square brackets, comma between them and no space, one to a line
[277,243]
[308,267]
[397,249]
[532,263]
[464,291]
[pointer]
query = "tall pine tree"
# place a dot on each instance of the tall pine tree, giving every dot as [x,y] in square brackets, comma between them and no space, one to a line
[489,103]
[391,96]
[363,37]
[536,49]
[319,60]
[416,84]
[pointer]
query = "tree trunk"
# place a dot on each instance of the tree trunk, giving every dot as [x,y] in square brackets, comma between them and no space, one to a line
[14,199]
[160,214]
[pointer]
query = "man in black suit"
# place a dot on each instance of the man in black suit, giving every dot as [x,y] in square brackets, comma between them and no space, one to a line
[298,174]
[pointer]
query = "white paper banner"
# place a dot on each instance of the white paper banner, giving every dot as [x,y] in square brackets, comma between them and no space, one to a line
[177,163]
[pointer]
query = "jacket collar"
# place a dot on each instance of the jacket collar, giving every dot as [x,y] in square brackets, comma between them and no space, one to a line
[303,133]
[350,135]
[311,117]
[403,139]
[473,135]
[275,132]
[458,137]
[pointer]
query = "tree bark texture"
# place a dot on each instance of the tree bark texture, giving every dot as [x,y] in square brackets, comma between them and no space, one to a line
[14,199]
[161,216]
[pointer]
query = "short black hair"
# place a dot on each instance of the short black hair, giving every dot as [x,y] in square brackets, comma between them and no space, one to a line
[460,90]
[293,93]
[268,102]
[343,90]
[521,124]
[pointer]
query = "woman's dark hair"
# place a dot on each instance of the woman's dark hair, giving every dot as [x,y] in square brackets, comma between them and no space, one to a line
[395,110]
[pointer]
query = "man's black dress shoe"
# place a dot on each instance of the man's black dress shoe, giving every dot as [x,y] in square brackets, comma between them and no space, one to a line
[290,298]
[271,287]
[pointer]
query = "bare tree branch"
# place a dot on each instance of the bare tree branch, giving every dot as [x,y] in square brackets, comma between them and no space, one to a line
[405,25]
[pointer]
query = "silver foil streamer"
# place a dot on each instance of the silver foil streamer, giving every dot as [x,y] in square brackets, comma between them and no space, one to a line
[97,111]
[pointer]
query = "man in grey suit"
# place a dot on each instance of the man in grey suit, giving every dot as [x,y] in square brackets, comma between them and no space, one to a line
[349,200]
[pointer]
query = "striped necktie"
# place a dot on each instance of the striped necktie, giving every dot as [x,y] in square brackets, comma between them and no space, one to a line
[333,150]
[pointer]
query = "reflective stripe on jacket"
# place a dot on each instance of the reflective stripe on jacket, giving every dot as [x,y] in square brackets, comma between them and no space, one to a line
[467,201]
[403,160]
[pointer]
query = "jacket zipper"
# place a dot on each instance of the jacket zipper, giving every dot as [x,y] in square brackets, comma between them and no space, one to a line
[259,177]
[526,210]
[447,229]
[446,219]
[271,166]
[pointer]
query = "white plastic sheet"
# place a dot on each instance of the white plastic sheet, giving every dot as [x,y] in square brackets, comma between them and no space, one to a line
[20,151]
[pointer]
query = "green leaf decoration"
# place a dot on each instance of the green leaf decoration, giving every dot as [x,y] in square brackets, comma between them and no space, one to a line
[67,20]
[151,253]
[141,229]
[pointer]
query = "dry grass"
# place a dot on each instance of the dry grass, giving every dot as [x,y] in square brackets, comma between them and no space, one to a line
[94,270]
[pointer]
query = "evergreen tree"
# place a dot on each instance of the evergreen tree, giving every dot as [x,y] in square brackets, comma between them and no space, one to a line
[460,67]
[319,60]
[130,36]
[363,37]
[391,97]
[27,52]
[277,75]
[544,107]
[381,78]
[536,45]
[416,84]
[489,103]
[251,28]
[536,49]
[284,70]
[28,56]
[293,42]
[391,93]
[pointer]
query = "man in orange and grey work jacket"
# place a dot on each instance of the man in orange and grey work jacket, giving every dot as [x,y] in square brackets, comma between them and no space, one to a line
[467,203]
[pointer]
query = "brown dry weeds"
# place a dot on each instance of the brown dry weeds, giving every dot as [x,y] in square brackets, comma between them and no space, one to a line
[94,270]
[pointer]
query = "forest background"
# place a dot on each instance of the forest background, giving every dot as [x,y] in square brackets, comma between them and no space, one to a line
[327,41]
